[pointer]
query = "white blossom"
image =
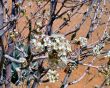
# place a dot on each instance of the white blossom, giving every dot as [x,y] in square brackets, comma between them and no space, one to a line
[39,23]
[39,46]
[52,75]
[55,42]
[46,39]
[64,53]
[38,29]
[106,35]
[42,36]
[33,41]
[36,36]
[96,50]
[22,59]
[62,47]
[69,48]
[55,47]
[64,59]
[108,54]
[83,41]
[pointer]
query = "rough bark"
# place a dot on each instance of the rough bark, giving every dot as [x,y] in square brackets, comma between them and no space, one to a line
[1,42]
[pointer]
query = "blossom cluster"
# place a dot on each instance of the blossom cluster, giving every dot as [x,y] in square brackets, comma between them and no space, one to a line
[13,34]
[82,41]
[97,48]
[56,46]
[52,75]
[108,54]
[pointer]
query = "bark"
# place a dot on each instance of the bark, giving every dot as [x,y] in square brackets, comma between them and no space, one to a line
[1,42]
[53,4]
[10,46]
[65,81]
[8,66]
[1,14]
[35,84]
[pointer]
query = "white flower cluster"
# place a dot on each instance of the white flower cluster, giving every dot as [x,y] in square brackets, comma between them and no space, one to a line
[97,48]
[58,43]
[83,41]
[39,22]
[13,35]
[55,42]
[36,46]
[108,54]
[53,76]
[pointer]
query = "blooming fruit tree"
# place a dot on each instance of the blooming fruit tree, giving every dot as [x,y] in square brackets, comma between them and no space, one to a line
[52,38]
